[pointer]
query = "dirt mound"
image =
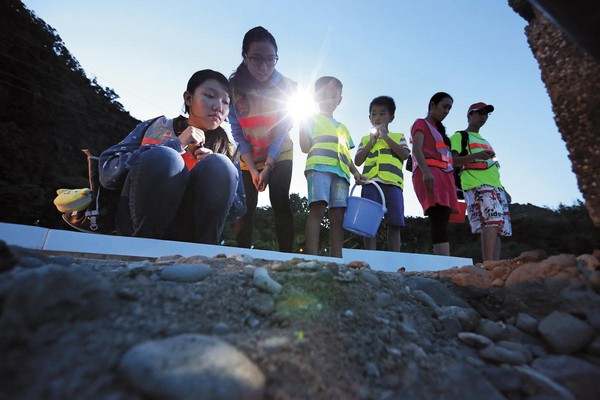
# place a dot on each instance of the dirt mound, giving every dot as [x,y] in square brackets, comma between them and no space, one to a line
[70,327]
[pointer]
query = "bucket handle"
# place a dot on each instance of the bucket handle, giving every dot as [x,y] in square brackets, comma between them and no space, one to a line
[378,188]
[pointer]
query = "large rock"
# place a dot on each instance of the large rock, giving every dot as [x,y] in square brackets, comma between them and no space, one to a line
[437,291]
[565,333]
[579,376]
[572,78]
[193,367]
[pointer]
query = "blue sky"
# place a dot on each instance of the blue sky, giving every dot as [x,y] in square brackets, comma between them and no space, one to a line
[475,50]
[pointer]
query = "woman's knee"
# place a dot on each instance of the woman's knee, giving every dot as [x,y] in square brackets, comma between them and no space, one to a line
[160,160]
[216,167]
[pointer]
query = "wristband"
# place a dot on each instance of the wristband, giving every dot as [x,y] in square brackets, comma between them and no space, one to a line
[269,165]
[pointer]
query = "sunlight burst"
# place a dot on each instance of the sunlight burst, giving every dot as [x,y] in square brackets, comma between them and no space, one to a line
[301,105]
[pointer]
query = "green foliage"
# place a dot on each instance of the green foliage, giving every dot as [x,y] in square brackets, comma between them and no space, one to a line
[568,229]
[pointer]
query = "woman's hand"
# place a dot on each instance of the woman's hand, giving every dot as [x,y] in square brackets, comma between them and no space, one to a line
[191,136]
[255,178]
[201,152]
[428,179]
[263,179]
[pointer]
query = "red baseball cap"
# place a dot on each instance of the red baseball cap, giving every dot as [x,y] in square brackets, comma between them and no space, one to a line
[480,107]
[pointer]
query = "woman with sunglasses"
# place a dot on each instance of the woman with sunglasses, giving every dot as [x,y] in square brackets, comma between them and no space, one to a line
[260,124]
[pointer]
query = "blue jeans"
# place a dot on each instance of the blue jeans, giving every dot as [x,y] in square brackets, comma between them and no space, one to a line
[161,199]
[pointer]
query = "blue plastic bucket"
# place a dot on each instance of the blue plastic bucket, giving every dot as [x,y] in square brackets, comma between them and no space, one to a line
[363,216]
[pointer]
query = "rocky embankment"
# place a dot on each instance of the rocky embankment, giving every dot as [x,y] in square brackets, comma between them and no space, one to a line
[241,328]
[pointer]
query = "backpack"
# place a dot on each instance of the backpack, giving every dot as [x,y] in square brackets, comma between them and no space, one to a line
[464,135]
[99,216]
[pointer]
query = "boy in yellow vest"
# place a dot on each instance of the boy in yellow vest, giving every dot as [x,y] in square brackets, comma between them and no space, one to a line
[328,166]
[383,153]
[487,201]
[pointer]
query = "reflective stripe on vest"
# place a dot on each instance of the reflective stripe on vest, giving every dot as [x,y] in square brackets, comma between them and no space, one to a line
[259,117]
[480,164]
[328,149]
[383,163]
[445,161]
[257,120]
[190,160]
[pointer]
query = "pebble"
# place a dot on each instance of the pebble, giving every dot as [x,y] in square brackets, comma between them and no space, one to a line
[172,259]
[263,281]
[526,323]
[384,299]
[565,333]
[578,376]
[475,340]
[185,272]
[192,366]
[309,265]
[243,258]
[262,304]
[281,267]
[30,262]
[358,264]
[502,355]
[370,277]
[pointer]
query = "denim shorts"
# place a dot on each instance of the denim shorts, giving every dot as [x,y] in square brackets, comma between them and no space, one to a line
[394,201]
[327,187]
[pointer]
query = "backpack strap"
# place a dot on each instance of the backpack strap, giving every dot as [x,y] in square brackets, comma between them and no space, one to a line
[464,142]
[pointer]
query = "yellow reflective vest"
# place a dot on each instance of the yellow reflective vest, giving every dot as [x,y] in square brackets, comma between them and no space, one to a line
[330,145]
[382,163]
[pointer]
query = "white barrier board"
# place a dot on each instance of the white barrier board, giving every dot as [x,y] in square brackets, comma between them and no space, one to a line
[77,242]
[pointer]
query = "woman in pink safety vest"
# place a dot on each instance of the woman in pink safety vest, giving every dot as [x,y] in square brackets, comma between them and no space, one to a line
[433,179]
[260,124]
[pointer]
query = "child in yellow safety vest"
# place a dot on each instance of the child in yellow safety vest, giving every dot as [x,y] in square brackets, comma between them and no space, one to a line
[383,154]
[328,166]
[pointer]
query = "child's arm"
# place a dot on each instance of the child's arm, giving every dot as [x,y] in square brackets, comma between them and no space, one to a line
[363,152]
[356,173]
[399,149]
[304,137]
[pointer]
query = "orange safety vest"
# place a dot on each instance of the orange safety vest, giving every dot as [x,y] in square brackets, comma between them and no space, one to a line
[266,109]
[189,159]
[482,164]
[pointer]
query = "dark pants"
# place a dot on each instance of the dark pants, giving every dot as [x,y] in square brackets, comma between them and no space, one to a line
[439,217]
[279,193]
[161,199]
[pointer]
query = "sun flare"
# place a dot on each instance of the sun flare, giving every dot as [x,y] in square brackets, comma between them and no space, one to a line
[301,105]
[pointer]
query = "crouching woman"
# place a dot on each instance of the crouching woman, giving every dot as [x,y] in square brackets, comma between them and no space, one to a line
[175,176]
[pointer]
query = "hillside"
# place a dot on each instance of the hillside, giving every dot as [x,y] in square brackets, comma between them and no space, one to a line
[49,111]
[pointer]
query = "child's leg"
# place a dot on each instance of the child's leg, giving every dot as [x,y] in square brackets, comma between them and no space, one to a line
[394,240]
[316,211]
[490,243]
[336,230]
[370,243]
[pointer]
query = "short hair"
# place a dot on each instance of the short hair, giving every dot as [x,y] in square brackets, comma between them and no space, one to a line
[325,80]
[385,101]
